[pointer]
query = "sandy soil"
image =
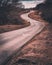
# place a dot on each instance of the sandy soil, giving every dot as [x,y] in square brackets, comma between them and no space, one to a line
[38,51]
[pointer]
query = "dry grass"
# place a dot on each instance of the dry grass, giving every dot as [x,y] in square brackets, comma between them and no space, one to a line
[38,51]
[7,28]
[35,15]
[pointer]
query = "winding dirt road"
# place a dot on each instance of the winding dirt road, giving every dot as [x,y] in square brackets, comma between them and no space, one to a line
[13,40]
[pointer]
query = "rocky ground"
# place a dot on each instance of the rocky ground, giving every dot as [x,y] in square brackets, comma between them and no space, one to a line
[38,51]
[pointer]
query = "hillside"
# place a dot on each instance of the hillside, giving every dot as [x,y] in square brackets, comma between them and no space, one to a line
[10,19]
[46,10]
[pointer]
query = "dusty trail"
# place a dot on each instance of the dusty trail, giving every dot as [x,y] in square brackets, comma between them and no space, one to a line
[13,40]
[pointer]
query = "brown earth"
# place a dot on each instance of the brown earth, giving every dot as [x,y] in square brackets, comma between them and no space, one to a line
[7,28]
[38,51]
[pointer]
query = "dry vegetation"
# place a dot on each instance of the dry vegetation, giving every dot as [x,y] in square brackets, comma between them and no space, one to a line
[39,50]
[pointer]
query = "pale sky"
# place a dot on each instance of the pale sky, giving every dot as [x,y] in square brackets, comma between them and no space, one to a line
[31,4]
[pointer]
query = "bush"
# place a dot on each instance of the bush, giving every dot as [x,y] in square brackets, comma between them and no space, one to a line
[5,8]
[46,9]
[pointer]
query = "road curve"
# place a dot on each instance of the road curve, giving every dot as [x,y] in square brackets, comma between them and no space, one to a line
[13,40]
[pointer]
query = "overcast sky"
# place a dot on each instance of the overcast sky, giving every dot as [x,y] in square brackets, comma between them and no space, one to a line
[30,3]
[31,0]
